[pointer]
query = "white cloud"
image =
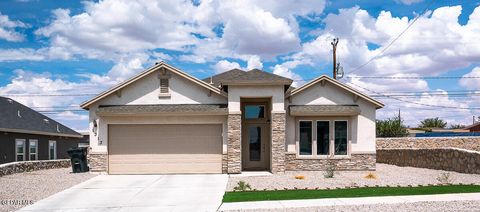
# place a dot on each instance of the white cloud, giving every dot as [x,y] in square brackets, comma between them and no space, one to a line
[254,62]
[71,116]
[225,65]
[7,29]
[472,82]
[408,2]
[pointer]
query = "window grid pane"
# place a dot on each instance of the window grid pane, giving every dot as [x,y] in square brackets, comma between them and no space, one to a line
[323,137]
[305,137]
[340,138]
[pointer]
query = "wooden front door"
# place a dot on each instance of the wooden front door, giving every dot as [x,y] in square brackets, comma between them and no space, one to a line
[255,136]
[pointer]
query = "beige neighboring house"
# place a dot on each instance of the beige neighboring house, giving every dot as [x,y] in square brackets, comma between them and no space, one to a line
[166,121]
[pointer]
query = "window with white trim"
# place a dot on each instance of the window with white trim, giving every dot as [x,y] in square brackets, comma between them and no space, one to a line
[322,137]
[33,149]
[19,149]
[52,150]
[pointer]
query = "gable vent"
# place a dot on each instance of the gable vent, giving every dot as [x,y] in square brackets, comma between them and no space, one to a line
[163,85]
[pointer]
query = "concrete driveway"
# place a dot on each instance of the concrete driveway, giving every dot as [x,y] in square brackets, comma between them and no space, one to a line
[139,193]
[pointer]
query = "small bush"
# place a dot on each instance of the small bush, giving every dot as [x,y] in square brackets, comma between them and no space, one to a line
[242,186]
[329,169]
[444,178]
[299,177]
[371,176]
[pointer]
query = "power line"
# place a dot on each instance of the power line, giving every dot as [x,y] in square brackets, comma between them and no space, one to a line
[393,41]
[42,95]
[417,103]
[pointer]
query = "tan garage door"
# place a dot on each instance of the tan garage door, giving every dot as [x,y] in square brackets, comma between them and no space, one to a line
[160,149]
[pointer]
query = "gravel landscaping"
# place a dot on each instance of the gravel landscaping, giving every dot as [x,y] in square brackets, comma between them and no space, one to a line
[30,187]
[417,206]
[385,175]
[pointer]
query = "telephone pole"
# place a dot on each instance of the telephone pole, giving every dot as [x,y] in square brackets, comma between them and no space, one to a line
[334,45]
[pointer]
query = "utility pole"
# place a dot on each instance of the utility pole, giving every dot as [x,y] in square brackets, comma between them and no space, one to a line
[399,117]
[334,45]
[473,120]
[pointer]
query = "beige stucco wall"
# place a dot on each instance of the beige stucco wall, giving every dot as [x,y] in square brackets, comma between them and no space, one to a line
[145,91]
[362,139]
[235,92]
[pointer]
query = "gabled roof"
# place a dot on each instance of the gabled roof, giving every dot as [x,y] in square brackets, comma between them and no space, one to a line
[150,70]
[339,84]
[252,77]
[471,126]
[15,117]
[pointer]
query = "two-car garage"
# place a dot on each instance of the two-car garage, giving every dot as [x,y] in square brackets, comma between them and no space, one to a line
[164,148]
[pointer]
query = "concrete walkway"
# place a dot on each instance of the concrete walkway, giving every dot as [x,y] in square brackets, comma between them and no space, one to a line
[139,193]
[284,204]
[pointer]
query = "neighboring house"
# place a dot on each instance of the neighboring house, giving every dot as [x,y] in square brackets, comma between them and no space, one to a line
[28,135]
[164,120]
[473,128]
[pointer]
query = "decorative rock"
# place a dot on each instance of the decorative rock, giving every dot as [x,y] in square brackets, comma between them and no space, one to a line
[28,166]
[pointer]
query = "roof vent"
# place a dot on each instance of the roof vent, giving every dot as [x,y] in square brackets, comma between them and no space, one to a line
[18,114]
[211,80]
[58,128]
[10,101]
[46,121]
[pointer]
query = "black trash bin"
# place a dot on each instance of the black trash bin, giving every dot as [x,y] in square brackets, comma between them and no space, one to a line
[78,158]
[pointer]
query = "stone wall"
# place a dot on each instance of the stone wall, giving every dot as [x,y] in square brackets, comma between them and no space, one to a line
[234,146]
[470,143]
[278,142]
[450,159]
[224,163]
[355,162]
[28,166]
[97,162]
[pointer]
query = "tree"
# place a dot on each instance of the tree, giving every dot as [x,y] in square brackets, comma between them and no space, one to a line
[433,123]
[457,126]
[391,127]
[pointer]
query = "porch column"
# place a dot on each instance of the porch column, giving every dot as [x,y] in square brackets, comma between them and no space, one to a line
[278,141]
[234,143]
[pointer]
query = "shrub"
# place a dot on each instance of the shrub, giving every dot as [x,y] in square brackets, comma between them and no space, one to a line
[370,176]
[242,186]
[329,169]
[444,178]
[299,177]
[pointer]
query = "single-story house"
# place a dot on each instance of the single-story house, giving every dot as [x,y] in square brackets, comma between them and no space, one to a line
[164,120]
[26,134]
[473,128]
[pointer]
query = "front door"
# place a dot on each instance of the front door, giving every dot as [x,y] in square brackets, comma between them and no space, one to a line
[255,136]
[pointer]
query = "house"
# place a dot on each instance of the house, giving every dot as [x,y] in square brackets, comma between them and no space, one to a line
[473,128]
[27,135]
[164,120]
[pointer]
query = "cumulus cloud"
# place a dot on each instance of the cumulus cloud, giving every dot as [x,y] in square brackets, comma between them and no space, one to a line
[225,65]
[7,29]
[408,2]
[472,79]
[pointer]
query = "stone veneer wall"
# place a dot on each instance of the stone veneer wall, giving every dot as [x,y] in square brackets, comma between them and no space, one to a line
[224,163]
[355,162]
[470,143]
[234,146]
[97,162]
[28,166]
[450,159]
[278,142]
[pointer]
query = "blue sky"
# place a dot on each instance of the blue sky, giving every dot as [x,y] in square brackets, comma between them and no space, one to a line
[72,49]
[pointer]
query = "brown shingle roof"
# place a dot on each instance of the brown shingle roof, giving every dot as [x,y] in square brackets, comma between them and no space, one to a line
[254,76]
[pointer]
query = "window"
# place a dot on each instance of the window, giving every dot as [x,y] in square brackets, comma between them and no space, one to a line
[254,111]
[305,137]
[32,149]
[255,137]
[164,86]
[323,137]
[20,149]
[326,137]
[340,137]
[52,150]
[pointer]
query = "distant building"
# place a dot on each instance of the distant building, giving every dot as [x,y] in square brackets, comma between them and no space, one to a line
[473,128]
[26,134]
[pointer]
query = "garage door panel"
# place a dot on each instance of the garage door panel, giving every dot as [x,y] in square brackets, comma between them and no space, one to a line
[158,149]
